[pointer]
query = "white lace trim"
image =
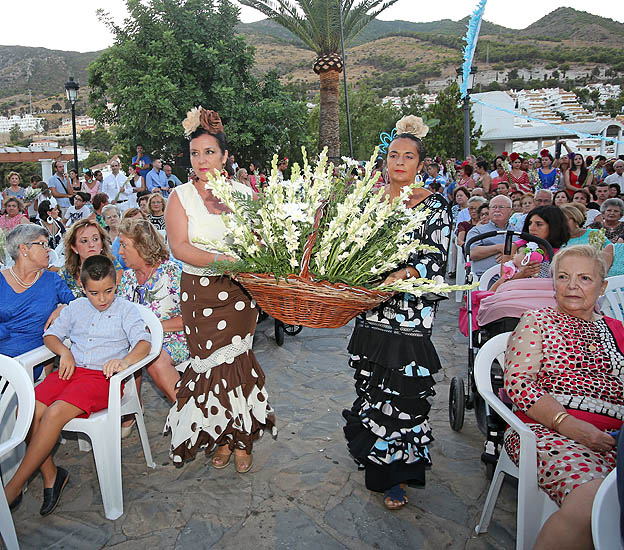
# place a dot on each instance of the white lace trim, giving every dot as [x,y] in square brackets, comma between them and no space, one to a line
[226,354]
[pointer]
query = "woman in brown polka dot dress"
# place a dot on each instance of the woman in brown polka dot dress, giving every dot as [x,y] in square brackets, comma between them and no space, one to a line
[563,372]
[221,402]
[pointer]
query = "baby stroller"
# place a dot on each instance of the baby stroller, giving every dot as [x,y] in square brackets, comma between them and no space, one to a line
[465,396]
[281,328]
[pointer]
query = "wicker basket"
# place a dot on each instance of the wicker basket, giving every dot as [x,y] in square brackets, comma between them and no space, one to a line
[300,300]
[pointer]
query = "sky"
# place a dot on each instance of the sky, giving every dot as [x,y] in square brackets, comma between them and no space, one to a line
[72,25]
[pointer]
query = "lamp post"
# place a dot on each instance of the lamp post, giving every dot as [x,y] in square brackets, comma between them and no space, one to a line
[471,79]
[344,74]
[71,89]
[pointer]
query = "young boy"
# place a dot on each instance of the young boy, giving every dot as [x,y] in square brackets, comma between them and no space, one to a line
[79,210]
[101,328]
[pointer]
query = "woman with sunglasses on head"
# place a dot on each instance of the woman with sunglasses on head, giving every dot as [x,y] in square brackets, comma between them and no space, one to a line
[30,296]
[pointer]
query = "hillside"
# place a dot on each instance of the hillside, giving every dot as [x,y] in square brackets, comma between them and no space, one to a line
[568,23]
[388,55]
[39,69]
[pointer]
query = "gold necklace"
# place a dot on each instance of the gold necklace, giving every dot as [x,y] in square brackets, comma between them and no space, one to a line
[22,283]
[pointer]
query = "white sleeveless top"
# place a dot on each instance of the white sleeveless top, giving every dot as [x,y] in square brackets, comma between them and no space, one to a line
[202,224]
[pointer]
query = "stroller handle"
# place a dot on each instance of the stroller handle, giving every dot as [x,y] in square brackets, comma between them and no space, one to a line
[509,234]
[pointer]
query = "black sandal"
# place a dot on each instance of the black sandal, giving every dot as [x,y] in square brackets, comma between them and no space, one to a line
[395,494]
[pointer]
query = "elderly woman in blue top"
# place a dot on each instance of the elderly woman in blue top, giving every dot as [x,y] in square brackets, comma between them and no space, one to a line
[107,335]
[30,296]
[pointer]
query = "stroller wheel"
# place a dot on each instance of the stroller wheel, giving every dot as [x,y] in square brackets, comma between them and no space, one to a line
[293,330]
[457,403]
[279,333]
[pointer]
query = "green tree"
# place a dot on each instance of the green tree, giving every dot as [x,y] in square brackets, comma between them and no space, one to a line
[172,55]
[15,135]
[447,137]
[24,169]
[95,157]
[317,24]
[98,139]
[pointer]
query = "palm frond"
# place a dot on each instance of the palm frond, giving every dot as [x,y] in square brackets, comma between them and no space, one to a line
[316,22]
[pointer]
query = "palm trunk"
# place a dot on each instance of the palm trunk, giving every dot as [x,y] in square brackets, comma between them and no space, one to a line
[329,121]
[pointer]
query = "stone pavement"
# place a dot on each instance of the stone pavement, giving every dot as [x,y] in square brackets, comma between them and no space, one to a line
[304,491]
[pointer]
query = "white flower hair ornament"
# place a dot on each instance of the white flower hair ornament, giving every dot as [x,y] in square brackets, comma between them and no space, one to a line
[191,122]
[412,124]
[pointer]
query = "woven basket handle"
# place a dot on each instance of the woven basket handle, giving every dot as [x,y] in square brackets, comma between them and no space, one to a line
[309,245]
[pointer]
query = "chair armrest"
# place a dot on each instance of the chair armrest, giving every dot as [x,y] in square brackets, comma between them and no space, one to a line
[32,358]
[114,392]
[509,417]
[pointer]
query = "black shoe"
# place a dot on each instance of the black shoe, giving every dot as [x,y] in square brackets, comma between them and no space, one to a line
[51,496]
[16,502]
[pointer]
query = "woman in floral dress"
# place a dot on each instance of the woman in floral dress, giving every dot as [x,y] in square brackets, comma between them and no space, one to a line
[153,280]
[387,428]
[563,372]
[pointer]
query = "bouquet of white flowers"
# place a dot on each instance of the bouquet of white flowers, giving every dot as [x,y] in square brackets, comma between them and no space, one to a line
[326,238]
[31,194]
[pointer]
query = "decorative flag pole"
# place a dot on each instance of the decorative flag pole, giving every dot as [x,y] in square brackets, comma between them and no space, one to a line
[471,39]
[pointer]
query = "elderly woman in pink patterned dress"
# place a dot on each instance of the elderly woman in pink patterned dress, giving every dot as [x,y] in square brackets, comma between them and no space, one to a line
[153,280]
[563,372]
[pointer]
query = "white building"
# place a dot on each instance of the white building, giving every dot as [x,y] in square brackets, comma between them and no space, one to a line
[507,130]
[27,123]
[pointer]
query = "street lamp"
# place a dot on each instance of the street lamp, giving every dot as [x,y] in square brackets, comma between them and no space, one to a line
[71,89]
[471,80]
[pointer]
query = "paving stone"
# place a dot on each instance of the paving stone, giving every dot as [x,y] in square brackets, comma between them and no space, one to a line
[304,490]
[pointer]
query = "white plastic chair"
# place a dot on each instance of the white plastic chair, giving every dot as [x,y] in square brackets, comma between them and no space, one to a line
[605,520]
[534,505]
[613,300]
[488,275]
[10,462]
[104,427]
[16,393]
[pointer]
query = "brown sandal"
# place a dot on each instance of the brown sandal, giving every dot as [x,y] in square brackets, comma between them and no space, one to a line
[221,459]
[243,461]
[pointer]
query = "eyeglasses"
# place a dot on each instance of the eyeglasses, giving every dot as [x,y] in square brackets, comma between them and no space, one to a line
[499,207]
[44,244]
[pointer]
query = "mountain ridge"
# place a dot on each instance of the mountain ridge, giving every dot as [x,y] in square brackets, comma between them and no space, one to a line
[428,50]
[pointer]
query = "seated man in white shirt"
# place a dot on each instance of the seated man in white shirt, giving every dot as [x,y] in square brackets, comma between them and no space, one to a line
[618,176]
[488,252]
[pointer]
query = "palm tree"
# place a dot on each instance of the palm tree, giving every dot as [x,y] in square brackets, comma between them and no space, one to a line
[317,24]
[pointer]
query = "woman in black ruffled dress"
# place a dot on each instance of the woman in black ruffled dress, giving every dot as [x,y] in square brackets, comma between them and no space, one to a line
[387,427]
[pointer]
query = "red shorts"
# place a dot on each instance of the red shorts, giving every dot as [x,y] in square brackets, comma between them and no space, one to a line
[87,389]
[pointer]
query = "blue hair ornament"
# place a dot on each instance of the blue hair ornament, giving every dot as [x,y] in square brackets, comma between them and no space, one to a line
[386,139]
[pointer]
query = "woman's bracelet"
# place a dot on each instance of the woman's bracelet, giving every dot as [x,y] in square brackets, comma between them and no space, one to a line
[215,258]
[558,419]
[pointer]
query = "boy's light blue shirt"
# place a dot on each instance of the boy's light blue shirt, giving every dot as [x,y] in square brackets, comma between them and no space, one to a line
[99,336]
